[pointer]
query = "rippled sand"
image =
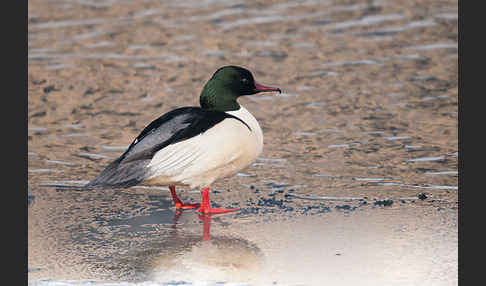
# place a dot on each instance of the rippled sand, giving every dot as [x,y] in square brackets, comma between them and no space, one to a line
[358,180]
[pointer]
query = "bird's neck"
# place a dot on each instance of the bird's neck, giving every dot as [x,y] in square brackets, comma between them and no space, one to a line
[214,96]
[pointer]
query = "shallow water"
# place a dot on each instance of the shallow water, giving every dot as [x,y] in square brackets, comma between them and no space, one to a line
[358,180]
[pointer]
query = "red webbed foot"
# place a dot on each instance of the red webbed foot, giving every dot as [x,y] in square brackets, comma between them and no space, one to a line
[178,203]
[205,207]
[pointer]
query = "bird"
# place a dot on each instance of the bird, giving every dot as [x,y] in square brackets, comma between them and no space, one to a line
[194,145]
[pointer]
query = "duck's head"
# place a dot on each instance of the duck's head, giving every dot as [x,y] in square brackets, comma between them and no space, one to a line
[226,85]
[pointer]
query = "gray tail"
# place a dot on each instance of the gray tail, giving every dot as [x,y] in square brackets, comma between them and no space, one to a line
[120,175]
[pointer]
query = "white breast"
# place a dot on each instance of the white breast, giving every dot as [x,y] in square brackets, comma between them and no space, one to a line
[257,134]
[221,151]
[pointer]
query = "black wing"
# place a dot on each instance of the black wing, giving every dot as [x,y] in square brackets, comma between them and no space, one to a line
[175,126]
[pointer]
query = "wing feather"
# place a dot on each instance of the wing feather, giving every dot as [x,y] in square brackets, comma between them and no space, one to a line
[178,125]
[184,156]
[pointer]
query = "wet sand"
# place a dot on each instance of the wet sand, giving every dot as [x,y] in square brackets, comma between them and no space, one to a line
[358,179]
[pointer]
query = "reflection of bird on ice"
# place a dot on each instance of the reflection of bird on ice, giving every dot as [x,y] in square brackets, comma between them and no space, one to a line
[206,219]
[185,256]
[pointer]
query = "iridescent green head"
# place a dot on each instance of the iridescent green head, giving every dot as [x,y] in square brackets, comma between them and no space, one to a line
[226,85]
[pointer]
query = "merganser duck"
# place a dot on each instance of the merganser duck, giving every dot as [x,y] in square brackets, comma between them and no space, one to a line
[194,146]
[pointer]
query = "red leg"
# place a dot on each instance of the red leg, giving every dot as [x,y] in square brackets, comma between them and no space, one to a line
[178,202]
[206,206]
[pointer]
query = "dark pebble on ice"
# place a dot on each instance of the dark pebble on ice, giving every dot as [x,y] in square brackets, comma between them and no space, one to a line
[343,207]
[49,88]
[384,203]
[90,91]
[422,196]
[39,114]
[270,202]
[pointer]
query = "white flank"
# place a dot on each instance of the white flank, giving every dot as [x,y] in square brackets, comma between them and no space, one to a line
[221,151]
